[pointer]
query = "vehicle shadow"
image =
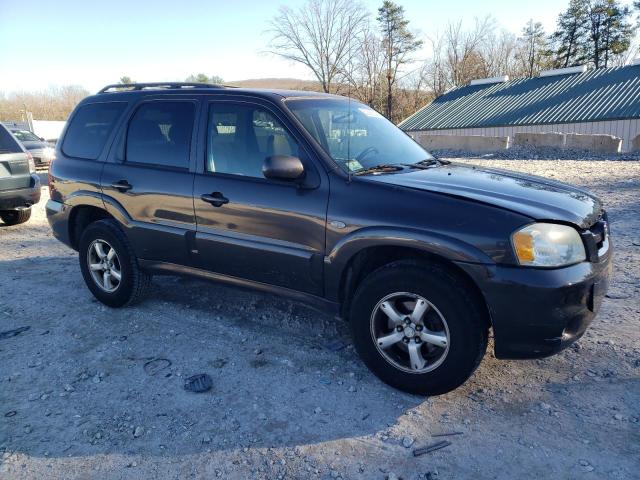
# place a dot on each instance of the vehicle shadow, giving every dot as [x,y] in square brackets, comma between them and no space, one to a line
[86,379]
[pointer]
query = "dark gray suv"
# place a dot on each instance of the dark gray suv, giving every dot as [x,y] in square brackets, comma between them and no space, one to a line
[19,184]
[320,198]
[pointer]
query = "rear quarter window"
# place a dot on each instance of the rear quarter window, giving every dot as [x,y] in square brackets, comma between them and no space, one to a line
[89,129]
[8,144]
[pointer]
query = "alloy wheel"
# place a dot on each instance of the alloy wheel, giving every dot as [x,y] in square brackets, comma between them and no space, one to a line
[410,332]
[104,265]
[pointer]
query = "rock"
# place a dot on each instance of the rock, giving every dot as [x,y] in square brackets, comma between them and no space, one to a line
[258,351]
[68,388]
[407,442]
[205,438]
[545,406]
[28,429]
[617,416]
[317,410]
[617,296]
[138,432]
[393,476]
[583,463]
[352,389]
[96,379]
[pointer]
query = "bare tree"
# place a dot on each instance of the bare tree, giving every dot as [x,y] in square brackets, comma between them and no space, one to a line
[319,35]
[365,72]
[464,61]
[533,51]
[53,104]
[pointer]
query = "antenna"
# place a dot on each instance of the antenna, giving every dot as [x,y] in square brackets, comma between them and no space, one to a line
[349,104]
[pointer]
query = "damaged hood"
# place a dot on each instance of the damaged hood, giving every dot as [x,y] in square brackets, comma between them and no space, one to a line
[535,197]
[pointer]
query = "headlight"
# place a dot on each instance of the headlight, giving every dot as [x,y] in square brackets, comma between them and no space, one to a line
[548,245]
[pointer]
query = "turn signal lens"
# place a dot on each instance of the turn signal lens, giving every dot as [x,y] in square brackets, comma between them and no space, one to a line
[548,245]
[523,243]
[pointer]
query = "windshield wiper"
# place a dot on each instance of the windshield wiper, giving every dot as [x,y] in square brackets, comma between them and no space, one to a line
[381,168]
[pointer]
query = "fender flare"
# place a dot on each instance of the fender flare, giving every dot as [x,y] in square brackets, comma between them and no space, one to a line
[432,243]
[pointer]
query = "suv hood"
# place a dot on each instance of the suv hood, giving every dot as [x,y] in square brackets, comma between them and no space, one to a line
[535,197]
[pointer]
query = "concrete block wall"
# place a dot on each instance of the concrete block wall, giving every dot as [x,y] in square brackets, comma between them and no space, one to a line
[471,143]
[594,143]
[599,143]
[539,140]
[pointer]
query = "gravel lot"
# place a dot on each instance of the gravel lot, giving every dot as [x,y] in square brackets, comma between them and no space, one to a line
[84,394]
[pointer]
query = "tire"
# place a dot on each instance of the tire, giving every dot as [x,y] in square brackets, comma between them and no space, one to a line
[15,217]
[453,316]
[105,235]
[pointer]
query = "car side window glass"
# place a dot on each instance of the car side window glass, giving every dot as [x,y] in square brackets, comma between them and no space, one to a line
[89,129]
[159,133]
[241,137]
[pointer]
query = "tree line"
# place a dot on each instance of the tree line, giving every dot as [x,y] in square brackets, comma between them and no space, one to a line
[54,103]
[375,58]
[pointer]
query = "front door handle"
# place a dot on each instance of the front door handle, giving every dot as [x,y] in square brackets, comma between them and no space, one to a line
[122,186]
[216,199]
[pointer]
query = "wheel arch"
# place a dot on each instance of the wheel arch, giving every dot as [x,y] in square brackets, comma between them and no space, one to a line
[346,270]
[80,217]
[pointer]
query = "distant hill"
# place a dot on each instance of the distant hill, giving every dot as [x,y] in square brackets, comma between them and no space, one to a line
[279,83]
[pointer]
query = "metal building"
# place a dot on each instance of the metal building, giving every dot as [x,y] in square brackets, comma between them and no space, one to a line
[571,100]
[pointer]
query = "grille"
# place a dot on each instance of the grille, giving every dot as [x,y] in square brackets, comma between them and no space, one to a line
[596,238]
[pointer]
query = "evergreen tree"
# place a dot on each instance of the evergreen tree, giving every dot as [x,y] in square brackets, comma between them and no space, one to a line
[571,35]
[533,48]
[398,44]
[610,31]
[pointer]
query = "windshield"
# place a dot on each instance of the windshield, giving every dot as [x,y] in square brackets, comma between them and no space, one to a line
[25,136]
[354,135]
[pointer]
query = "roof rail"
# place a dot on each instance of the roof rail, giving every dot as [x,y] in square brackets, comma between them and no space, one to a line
[117,87]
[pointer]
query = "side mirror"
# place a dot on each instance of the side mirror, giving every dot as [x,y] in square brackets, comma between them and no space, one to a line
[283,167]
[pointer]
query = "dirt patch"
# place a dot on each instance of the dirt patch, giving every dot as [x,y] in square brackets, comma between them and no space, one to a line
[77,401]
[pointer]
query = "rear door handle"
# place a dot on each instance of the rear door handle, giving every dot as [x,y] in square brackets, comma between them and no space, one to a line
[216,199]
[122,186]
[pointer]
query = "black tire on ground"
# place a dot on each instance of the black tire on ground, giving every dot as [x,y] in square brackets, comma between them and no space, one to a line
[15,217]
[465,315]
[134,282]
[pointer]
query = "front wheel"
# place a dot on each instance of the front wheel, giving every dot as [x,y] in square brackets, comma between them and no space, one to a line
[109,266]
[418,327]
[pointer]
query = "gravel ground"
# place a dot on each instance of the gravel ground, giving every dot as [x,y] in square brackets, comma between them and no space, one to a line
[90,392]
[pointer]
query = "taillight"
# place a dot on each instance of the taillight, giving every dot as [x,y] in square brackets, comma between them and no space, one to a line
[50,181]
[32,165]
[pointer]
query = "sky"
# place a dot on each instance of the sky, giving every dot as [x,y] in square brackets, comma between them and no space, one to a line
[46,43]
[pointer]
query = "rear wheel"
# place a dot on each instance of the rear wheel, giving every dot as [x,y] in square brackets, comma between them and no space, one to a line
[15,217]
[109,265]
[418,327]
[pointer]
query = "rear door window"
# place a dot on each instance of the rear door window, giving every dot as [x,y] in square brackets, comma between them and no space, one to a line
[89,129]
[160,134]
[8,144]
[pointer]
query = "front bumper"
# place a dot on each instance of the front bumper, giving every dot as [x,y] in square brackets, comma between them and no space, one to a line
[21,197]
[538,312]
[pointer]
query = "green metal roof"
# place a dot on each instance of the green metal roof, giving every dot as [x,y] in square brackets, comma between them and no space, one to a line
[596,95]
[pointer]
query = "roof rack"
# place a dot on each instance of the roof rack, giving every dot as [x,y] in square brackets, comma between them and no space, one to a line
[118,87]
